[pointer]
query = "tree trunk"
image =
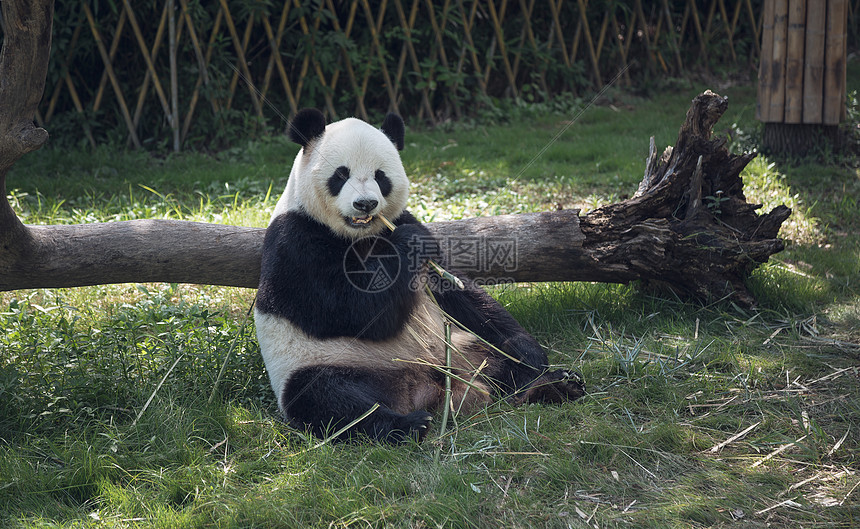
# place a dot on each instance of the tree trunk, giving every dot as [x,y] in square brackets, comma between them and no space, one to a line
[23,66]
[688,229]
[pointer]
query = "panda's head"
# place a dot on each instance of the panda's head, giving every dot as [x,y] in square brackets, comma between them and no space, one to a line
[348,173]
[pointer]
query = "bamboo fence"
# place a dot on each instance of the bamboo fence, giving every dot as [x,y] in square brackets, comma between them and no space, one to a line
[173,73]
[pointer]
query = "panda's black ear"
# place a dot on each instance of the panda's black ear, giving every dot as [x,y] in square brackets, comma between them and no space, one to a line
[394,128]
[306,125]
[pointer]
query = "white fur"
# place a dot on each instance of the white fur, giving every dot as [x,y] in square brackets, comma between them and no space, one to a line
[363,149]
[286,348]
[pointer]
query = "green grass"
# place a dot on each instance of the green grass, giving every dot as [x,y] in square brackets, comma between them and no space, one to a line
[668,380]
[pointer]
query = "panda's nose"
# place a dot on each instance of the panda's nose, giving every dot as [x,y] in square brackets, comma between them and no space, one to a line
[365,204]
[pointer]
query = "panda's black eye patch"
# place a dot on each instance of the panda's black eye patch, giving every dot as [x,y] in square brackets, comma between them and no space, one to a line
[383,181]
[337,180]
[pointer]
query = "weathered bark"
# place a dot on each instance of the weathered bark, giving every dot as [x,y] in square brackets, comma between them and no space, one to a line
[531,247]
[688,228]
[23,66]
[137,251]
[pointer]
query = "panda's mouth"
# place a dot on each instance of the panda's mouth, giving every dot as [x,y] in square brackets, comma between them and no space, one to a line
[359,222]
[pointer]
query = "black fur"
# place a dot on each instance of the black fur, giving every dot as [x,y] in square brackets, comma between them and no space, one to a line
[394,128]
[303,279]
[307,125]
[327,398]
[383,181]
[337,180]
[484,316]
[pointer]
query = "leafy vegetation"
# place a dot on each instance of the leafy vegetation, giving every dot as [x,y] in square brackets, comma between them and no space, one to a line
[438,60]
[697,416]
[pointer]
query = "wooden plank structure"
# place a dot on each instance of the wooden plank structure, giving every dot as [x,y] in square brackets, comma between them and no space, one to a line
[802,72]
[153,63]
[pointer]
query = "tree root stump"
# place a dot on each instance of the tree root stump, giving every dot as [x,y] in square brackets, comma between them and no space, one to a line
[689,228]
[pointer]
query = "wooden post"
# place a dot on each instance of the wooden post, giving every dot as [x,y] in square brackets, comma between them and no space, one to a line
[794,62]
[802,73]
[765,75]
[813,67]
[835,58]
[776,111]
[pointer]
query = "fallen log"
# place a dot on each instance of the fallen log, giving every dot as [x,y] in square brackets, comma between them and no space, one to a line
[688,229]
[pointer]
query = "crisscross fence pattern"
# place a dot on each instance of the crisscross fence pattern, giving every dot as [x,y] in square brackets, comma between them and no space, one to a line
[174,73]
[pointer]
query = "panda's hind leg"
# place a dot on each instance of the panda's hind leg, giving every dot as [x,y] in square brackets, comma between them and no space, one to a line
[324,399]
[555,387]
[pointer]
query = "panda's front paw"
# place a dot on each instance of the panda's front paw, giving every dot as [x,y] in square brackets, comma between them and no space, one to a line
[416,241]
[411,232]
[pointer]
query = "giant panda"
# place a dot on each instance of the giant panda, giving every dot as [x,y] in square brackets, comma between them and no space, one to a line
[334,346]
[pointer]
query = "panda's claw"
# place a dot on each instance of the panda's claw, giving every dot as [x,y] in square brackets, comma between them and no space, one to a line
[414,425]
[556,386]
